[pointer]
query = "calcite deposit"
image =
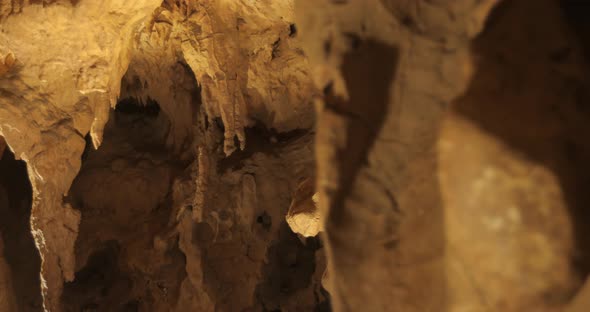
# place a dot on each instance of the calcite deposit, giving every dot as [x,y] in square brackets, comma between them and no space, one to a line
[294,155]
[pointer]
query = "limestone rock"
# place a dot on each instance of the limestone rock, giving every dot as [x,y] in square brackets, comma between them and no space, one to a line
[254,155]
[303,216]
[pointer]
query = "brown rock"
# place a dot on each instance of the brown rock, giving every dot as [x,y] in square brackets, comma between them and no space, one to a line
[166,155]
[303,216]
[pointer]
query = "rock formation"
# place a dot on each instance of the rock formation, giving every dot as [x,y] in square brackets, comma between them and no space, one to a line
[294,155]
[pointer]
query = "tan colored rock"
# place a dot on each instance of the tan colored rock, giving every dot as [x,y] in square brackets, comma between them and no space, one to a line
[511,171]
[166,142]
[303,216]
[63,63]
[496,173]
[521,228]
[63,81]
[385,76]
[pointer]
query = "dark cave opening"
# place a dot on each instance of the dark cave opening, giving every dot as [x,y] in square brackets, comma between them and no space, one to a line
[291,265]
[260,139]
[124,191]
[130,106]
[576,14]
[101,283]
[20,250]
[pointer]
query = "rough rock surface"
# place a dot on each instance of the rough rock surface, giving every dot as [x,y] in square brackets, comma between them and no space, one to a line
[445,158]
[204,71]
[166,155]
[303,216]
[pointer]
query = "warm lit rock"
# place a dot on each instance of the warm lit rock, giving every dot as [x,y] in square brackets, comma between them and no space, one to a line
[169,155]
[303,216]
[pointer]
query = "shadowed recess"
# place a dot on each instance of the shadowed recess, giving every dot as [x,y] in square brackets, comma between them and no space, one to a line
[368,71]
[522,97]
[123,193]
[19,247]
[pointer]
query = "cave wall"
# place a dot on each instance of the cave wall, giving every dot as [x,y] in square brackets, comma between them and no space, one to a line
[63,69]
[388,70]
[166,141]
[63,83]
[524,113]
[442,153]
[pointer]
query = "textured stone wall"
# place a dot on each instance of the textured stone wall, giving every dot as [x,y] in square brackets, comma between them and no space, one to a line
[185,154]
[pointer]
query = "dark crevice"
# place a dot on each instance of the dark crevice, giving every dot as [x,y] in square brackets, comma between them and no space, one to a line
[323,305]
[265,220]
[576,13]
[124,194]
[89,146]
[353,40]
[368,72]
[219,124]
[291,265]
[327,46]
[131,106]
[260,139]
[101,285]
[20,250]
[276,49]
[292,30]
